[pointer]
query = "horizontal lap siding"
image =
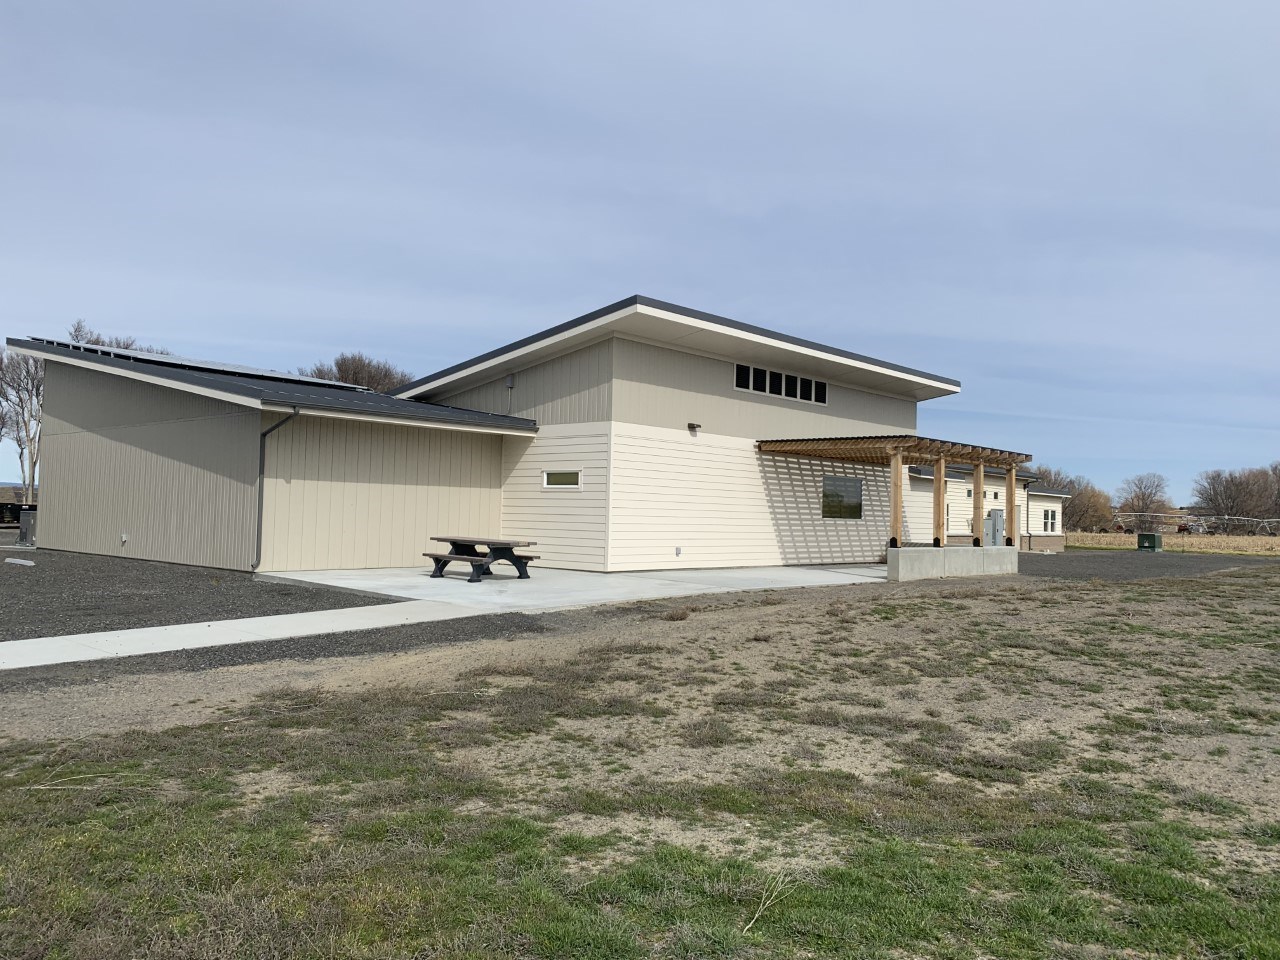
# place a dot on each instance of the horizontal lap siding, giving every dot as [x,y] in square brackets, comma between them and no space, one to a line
[723,504]
[173,472]
[341,494]
[568,525]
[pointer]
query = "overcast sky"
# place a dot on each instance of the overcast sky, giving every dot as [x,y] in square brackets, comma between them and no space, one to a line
[1072,208]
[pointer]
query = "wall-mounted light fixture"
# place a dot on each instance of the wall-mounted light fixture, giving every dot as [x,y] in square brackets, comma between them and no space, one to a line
[694,428]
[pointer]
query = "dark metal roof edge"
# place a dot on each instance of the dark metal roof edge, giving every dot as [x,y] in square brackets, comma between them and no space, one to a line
[355,402]
[639,300]
[194,365]
[521,343]
[109,362]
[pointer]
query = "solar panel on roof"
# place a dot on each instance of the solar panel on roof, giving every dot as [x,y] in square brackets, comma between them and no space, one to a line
[209,366]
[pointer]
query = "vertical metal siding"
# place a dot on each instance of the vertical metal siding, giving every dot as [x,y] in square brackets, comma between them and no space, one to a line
[174,472]
[574,388]
[341,494]
[660,387]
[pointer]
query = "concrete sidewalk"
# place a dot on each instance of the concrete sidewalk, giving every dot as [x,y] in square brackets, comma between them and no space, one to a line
[427,600]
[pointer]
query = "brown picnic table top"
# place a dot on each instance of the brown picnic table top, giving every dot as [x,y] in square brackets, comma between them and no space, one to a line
[487,541]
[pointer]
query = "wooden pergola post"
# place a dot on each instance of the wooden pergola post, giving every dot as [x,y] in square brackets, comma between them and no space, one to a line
[895,498]
[940,502]
[979,495]
[1011,537]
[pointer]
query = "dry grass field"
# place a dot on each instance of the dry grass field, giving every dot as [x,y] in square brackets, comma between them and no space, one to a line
[1009,769]
[1180,542]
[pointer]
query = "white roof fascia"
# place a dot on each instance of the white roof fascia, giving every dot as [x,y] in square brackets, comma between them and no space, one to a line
[577,333]
[143,377]
[574,333]
[395,421]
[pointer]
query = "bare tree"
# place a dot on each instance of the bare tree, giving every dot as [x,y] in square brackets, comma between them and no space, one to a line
[81,332]
[1088,509]
[21,396]
[1145,494]
[1253,492]
[361,370]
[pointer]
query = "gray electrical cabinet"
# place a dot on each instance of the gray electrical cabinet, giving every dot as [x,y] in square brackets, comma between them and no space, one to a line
[27,525]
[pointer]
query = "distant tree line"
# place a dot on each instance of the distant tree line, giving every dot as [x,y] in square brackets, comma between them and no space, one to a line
[22,390]
[1252,493]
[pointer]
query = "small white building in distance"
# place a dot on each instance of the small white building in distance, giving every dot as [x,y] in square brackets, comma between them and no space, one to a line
[642,436]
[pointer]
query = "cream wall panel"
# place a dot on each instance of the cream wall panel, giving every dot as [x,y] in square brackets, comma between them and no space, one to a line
[341,494]
[570,526]
[175,472]
[661,387]
[574,388]
[725,505]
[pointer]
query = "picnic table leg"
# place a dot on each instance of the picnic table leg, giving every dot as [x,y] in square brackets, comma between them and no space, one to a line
[478,570]
[469,550]
[509,555]
[439,568]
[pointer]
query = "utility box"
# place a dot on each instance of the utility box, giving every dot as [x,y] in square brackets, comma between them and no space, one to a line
[1151,542]
[27,525]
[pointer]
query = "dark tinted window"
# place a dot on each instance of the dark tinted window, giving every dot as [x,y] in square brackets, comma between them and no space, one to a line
[806,388]
[819,391]
[775,383]
[841,498]
[742,376]
[790,386]
[758,379]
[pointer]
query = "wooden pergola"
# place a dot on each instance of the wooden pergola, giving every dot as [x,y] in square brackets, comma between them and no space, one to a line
[897,452]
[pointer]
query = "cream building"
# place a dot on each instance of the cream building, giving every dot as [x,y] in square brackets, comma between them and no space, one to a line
[641,436]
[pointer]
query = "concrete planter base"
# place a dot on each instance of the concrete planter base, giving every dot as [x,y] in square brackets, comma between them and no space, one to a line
[933,563]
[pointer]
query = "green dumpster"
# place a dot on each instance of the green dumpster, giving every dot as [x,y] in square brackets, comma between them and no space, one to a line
[1151,542]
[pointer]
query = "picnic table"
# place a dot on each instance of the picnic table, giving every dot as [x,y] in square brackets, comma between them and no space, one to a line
[464,550]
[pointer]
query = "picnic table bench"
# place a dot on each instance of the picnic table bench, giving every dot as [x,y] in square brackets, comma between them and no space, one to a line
[464,550]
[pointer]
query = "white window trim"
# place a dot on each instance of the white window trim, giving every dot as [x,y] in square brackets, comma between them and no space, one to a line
[562,486]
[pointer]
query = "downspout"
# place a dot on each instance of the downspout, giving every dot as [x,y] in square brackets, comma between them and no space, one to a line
[262,471]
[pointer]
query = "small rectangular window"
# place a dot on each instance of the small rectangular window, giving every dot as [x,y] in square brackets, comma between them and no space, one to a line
[1046,521]
[969,494]
[806,388]
[564,479]
[819,391]
[775,383]
[995,495]
[1053,521]
[758,378]
[791,386]
[742,376]
[841,498]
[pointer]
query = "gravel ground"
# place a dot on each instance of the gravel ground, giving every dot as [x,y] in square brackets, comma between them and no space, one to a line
[1128,564]
[80,593]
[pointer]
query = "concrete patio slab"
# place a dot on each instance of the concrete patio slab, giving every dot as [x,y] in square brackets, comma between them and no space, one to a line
[425,600]
[551,589]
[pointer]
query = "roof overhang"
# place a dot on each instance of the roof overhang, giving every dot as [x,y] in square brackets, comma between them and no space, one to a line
[246,394]
[882,450]
[669,324]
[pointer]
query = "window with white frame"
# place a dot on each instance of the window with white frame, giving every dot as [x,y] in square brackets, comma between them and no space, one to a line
[1051,521]
[562,479]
